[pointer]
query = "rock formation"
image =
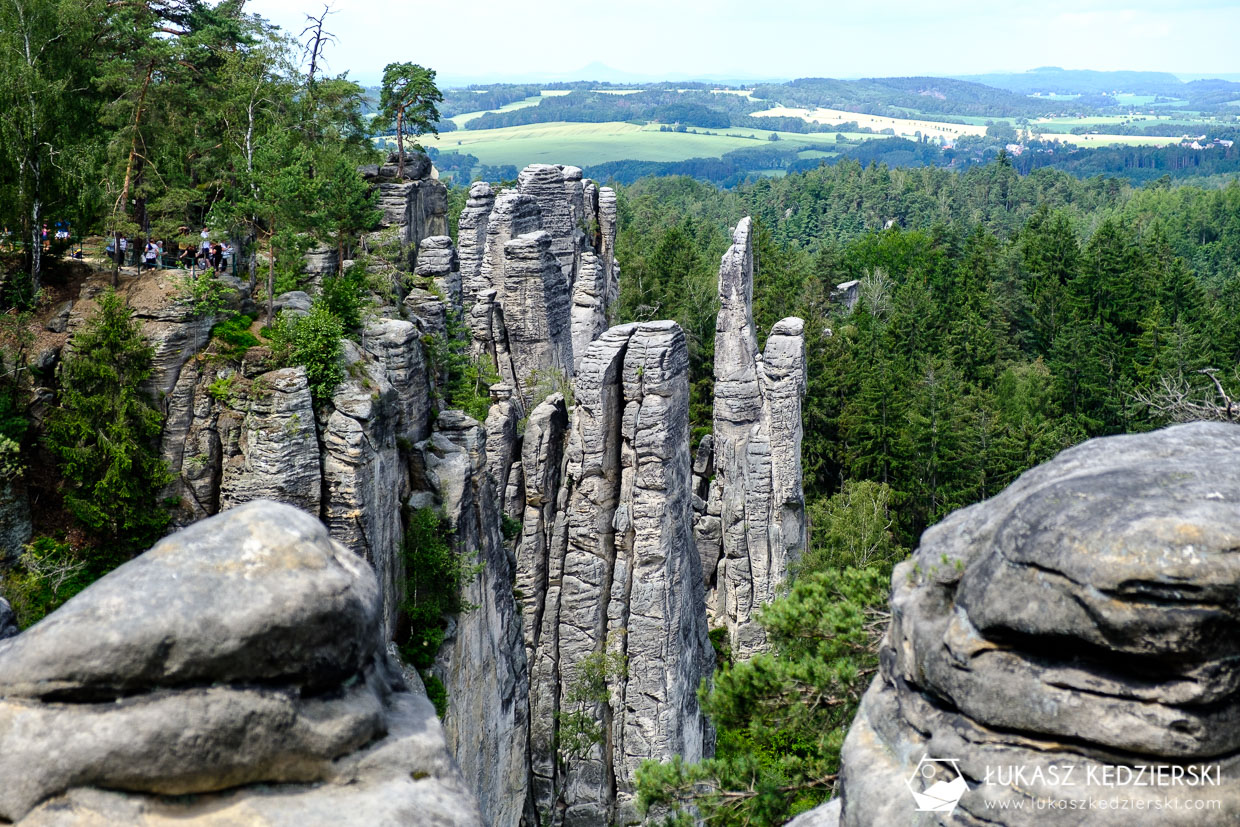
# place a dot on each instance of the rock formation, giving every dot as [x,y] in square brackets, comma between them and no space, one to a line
[415,206]
[437,263]
[575,498]
[532,335]
[621,577]
[482,660]
[235,673]
[755,505]
[1084,619]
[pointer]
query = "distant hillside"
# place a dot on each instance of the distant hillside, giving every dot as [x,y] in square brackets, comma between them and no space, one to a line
[1055,81]
[927,95]
[1051,80]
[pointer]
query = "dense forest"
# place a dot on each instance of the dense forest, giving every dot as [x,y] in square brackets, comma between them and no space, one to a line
[998,319]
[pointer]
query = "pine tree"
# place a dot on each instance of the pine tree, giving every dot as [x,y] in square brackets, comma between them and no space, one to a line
[105,429]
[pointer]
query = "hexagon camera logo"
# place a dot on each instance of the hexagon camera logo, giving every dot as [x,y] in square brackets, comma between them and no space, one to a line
[937,784]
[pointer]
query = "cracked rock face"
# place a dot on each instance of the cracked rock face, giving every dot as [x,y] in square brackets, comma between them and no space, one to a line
[622,576]
[512,328]
[753,519]
[1085,617]
[274,452]
[482,661]
[242,651]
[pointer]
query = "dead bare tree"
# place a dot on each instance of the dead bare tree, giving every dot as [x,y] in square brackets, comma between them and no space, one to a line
[316,40]
[1176,399]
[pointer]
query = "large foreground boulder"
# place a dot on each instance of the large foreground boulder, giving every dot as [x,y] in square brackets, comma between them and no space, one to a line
[1069,651]
[233,674]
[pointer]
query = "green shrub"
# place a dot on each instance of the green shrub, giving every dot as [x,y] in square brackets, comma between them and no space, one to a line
[781,716]
[105,431]
[436,692]
[221,389]
[345,296]
[510,527]
[49,572]
[435,576]
[234,336]
[461,383]
[313,341]
[205,295]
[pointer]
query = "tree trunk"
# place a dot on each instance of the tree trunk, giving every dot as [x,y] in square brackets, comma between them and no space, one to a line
[133,152]
[271,274]
[36,241]
[400,143]
[252,247]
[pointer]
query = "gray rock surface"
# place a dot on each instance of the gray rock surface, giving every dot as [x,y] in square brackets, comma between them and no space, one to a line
[1085,617]
[472,228]
[546,184]
[757,494]
[244,650]
[8,620]
[363,476]
[416,205]
[296,301]
[628,581]
[16,528]
[482,662]
[536,312]
[397,346]
[273,452]
[589,308]
[437,261]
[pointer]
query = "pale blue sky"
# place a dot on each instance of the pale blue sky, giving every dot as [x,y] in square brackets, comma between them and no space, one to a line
[774,38]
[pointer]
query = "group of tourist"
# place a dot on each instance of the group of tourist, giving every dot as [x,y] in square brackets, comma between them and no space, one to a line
[207,255]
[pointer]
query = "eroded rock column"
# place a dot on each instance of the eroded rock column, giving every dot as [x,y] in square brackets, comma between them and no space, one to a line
[757,495]
[630,599]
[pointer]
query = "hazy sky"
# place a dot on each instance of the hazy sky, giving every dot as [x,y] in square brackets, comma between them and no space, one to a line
[773,38]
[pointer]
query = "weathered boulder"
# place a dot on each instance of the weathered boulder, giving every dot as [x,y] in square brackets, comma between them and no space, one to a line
[244,650]
[1085,620]
[297,302]
[755,506]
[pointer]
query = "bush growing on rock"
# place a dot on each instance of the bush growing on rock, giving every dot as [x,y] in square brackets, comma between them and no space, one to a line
[781,716]
[312,340]
[435,574]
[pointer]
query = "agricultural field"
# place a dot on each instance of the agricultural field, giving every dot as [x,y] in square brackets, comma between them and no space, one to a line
[904,127]
[466,117]
[587,144]
[1054,127]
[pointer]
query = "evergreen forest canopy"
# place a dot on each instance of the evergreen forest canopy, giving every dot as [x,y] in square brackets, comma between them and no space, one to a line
[999,319]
